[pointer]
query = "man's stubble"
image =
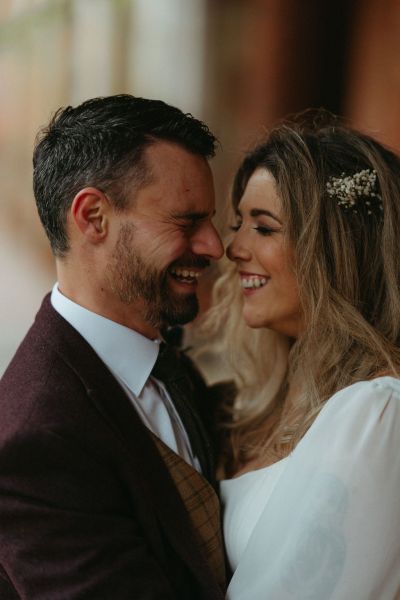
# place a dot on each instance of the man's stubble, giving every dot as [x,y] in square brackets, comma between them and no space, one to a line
[132,278]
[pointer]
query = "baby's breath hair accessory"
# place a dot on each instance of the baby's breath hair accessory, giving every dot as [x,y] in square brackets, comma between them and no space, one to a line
[349,190]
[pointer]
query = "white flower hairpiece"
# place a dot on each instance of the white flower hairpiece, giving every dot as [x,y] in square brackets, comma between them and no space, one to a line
[349,189]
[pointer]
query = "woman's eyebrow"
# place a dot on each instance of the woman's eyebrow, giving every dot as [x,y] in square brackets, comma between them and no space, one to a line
[256,212]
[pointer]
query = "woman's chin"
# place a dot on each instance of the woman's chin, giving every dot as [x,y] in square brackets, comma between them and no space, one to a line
[253,321]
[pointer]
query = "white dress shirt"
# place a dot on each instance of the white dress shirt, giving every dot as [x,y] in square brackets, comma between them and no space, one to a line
[130,357]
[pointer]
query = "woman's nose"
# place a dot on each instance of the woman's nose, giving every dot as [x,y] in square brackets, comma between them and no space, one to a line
[237,250]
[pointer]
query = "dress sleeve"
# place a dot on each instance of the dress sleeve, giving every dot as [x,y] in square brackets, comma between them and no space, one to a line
[331,528]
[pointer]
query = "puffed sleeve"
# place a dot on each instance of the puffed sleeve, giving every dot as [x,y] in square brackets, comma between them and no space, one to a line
[331,528]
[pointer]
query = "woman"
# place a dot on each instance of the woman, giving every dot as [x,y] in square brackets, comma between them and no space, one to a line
[311,489]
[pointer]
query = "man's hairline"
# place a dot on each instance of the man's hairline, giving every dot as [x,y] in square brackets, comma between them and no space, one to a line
[149,176]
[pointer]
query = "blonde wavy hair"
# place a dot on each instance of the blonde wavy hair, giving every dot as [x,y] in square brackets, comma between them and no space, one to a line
[348,268]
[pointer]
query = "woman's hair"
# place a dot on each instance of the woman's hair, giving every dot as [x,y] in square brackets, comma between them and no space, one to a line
[340,194]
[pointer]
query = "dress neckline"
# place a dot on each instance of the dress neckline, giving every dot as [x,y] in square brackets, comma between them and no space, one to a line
[256,472]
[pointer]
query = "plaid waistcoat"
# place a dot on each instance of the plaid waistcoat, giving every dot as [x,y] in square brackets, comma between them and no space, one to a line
[203,507]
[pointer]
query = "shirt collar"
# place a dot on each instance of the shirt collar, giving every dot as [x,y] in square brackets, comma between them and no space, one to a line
[128,354]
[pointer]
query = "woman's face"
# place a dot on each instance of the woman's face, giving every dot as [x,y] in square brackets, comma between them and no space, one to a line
[263,258]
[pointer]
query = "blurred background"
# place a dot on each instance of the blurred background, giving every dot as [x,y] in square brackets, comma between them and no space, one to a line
[240,65]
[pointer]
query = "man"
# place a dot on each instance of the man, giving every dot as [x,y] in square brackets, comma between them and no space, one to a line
[102,461]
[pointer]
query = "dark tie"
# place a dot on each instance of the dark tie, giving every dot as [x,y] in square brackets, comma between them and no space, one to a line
[171,369]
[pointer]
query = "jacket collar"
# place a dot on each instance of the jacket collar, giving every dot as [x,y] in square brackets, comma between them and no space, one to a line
[127,353]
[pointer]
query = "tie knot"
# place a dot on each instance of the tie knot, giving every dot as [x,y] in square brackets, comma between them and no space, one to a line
[167,365]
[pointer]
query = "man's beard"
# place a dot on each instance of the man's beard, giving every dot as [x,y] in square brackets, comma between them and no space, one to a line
[133,278]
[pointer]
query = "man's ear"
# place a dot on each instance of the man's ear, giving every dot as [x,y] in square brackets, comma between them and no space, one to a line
[90,214]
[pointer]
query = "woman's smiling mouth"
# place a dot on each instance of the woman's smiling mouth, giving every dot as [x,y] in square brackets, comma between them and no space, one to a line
[250,281]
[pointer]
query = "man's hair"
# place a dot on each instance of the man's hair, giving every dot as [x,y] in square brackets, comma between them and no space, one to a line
[101,144]
[346,261]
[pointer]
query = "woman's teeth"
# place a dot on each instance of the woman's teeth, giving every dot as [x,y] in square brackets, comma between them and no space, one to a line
[252,282]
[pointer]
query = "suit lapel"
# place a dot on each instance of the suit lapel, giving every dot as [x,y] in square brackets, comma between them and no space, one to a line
[148,471]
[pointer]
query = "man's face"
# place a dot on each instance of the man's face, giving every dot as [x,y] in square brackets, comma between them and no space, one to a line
[165,239]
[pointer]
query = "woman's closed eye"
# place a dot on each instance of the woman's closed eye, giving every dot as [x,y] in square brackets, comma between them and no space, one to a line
[261,229]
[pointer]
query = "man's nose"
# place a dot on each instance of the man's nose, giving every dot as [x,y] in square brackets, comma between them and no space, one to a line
[207,242]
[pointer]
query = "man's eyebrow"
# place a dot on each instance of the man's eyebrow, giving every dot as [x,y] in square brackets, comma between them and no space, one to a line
[256,212]
[193,215]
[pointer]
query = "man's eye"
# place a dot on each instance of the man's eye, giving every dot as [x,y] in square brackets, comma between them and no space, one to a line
[190,223]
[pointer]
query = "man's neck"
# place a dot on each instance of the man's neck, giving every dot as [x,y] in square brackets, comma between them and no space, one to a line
[99,302]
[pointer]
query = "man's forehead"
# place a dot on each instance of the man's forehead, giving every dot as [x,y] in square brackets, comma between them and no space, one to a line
[176,201]
[160,153]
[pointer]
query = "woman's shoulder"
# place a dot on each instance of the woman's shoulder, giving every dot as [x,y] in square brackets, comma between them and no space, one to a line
[384,382]
[368,394]
[360,415]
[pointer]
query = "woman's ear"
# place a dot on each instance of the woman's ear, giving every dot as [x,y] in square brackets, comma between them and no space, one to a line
[89,213]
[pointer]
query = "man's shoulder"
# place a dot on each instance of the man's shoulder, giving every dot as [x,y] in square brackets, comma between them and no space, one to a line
[36,353]
[47,369]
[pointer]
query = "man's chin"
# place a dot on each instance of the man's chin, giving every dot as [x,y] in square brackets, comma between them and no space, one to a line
[182,311]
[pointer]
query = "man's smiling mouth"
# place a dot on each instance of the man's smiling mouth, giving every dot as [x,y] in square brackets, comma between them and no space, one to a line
[185,274]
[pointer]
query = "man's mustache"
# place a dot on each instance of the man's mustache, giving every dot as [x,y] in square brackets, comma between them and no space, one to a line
[191,261]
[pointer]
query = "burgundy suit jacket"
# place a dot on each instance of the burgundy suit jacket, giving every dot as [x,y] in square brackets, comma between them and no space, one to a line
[87,508]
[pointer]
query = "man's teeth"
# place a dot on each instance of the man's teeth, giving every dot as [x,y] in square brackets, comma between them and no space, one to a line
[185,273]
[252,282]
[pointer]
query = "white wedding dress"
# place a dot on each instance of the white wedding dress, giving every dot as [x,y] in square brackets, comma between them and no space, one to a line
[323,523]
